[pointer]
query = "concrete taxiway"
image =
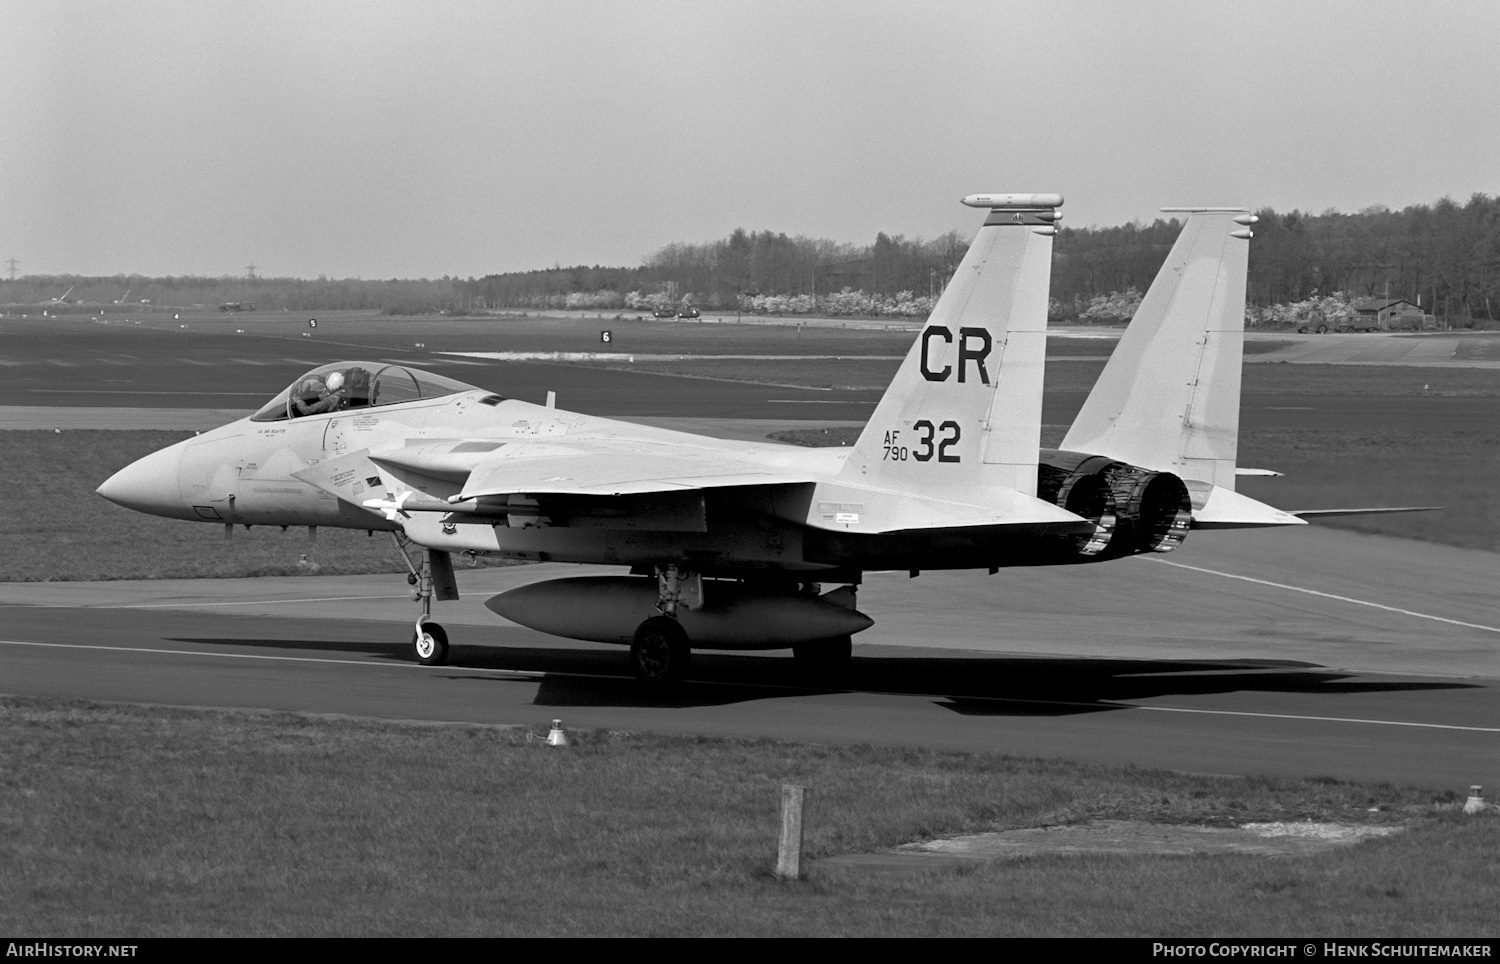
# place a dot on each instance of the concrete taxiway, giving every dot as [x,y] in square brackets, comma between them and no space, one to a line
[1299,653]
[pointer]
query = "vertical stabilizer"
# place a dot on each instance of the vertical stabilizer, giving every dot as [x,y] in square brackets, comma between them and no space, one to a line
[963,415]
[1169,398]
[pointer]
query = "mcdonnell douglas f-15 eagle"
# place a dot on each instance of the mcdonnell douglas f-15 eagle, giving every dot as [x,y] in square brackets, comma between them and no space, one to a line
[729,544]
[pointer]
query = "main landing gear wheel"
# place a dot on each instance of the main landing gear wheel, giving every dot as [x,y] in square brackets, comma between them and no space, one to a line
[660,654]
[824,660]
[431,644]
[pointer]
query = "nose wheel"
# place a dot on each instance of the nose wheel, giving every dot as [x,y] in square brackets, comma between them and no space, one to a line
[430,643]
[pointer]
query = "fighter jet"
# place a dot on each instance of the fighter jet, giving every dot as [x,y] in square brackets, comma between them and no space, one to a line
[730,545]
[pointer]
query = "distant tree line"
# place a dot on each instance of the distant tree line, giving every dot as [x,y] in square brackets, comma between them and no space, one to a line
[1446,256]
[749,270]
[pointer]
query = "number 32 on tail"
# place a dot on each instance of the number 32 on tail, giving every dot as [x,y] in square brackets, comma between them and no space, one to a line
[933,440]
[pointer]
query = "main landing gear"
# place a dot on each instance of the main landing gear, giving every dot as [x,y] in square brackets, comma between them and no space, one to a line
[660,652]
[433,578]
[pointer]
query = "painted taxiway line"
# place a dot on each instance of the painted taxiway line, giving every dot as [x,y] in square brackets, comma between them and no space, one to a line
[123,391]
[1329,595]
[543,674]
[257,602]
[618,356]
[527,674]
[1311,719]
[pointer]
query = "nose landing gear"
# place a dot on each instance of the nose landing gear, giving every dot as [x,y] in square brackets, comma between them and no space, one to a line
[433,578]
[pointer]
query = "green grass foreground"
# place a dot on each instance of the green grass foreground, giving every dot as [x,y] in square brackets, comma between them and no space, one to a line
[133,821]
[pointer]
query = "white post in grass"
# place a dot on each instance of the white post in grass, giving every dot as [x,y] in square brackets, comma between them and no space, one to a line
[789,854]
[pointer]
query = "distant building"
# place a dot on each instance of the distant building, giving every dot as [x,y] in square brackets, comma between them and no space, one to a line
[1388,313]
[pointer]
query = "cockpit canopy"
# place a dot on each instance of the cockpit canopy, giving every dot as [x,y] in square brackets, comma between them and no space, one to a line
[355,384]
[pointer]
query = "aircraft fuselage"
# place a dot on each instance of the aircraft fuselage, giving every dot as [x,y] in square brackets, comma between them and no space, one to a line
[245,473]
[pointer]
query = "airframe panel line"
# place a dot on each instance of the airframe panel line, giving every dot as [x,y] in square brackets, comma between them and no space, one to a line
[532,674]
[1329,595]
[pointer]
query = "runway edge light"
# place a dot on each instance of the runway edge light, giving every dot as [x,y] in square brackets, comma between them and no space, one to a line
[1475,803]
[556,737]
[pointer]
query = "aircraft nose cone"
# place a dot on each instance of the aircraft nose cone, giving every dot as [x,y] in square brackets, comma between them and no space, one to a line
[149,485]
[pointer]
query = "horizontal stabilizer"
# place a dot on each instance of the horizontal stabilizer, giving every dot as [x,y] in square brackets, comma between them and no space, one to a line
[839,507]
[1388,510]
[1221,508]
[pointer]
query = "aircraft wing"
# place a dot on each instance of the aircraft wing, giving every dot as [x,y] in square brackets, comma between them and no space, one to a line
[442,474]
[471,468]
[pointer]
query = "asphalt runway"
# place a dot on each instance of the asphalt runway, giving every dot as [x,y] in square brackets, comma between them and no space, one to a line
[1307,652]
[80,364]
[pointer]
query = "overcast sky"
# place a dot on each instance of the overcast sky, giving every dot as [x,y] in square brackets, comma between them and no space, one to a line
[463,138]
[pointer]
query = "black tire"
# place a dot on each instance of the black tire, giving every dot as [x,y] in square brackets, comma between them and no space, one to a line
[824,660]
[660,654]
[430,645]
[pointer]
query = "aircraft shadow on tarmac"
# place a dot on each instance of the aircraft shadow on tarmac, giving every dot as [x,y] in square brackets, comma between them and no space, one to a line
[987,686]
[968,685]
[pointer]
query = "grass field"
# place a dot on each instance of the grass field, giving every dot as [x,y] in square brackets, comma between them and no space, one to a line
[1456,470]
[1484,346]
[154,821]
[60,529]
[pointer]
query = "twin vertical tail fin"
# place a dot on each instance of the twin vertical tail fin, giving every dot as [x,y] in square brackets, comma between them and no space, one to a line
[1168,400]
[963,415]
[1169,397]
